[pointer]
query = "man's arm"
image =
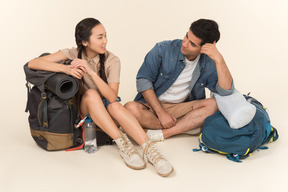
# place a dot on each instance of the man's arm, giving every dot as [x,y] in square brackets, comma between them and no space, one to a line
[146,77]
[167,120]
[224,75]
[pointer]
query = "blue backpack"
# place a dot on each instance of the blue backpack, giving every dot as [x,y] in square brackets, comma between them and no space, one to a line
[218,137]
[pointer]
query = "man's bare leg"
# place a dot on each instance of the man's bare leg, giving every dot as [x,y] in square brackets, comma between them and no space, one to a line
[194,119]
[146,118]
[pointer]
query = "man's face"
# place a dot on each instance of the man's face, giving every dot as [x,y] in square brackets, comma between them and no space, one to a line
[191,46]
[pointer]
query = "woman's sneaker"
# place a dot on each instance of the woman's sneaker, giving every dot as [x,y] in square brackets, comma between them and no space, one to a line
[129,154]
[151,152]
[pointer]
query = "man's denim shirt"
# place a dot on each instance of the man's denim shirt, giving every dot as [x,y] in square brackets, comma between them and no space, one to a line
[164,63]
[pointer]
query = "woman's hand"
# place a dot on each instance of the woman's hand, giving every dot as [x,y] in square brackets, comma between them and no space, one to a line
[81,64]
[75,72]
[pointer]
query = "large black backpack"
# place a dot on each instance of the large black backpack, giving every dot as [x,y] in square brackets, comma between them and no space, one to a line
[52,109]
[53,105]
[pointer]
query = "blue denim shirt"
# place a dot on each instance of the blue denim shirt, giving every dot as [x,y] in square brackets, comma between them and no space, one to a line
[164,63]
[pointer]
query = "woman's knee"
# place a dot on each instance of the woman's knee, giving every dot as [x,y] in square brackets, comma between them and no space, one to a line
[114,107]
[91,94]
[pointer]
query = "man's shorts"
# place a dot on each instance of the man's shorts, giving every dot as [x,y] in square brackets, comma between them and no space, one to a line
[178,110]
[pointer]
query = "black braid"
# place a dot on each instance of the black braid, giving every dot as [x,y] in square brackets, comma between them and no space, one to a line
[102,63]
[80,49]
[102,68]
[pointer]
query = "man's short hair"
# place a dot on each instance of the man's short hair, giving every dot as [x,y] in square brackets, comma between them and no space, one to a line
[205,29]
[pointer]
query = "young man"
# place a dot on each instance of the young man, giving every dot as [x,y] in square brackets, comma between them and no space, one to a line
[172,79]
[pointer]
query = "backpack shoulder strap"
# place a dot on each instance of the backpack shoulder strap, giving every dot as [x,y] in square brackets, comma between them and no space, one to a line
[28,86]
[43,109]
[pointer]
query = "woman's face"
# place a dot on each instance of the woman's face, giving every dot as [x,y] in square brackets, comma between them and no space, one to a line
[97,42]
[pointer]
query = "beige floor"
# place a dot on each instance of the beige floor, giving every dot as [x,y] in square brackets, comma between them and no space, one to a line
[26,167]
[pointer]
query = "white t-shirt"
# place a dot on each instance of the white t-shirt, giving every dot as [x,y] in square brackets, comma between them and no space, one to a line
[179,91]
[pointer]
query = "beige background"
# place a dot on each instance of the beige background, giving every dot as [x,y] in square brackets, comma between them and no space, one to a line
[253,42]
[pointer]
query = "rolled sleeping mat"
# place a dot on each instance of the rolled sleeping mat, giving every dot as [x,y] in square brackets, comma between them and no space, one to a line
[64,86]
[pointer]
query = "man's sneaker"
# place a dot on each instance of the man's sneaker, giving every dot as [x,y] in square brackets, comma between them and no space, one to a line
[151,152]
[155,135]
[129,154]
[194,132]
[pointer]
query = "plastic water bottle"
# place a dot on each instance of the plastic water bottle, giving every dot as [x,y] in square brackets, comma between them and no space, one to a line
[90,136]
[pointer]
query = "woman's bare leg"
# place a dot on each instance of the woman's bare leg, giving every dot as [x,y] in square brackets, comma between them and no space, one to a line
[92,104]
[128,122]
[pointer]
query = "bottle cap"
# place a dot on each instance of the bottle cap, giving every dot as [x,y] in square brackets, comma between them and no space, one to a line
[88,120]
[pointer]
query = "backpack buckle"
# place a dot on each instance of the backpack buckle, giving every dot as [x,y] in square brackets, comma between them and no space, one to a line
[45,124]
[234,157]
[43,95]
[70,102]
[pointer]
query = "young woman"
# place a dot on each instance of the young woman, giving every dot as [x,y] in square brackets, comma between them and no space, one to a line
[99,71]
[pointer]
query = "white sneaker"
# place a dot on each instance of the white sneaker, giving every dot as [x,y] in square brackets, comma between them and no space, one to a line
[129,154]
[151,152]
[155,135]
[194,132]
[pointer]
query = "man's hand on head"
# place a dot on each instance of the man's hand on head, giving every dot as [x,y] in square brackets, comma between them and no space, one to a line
[211,50]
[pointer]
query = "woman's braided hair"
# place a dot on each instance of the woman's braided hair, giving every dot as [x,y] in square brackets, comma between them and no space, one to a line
[83,32]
